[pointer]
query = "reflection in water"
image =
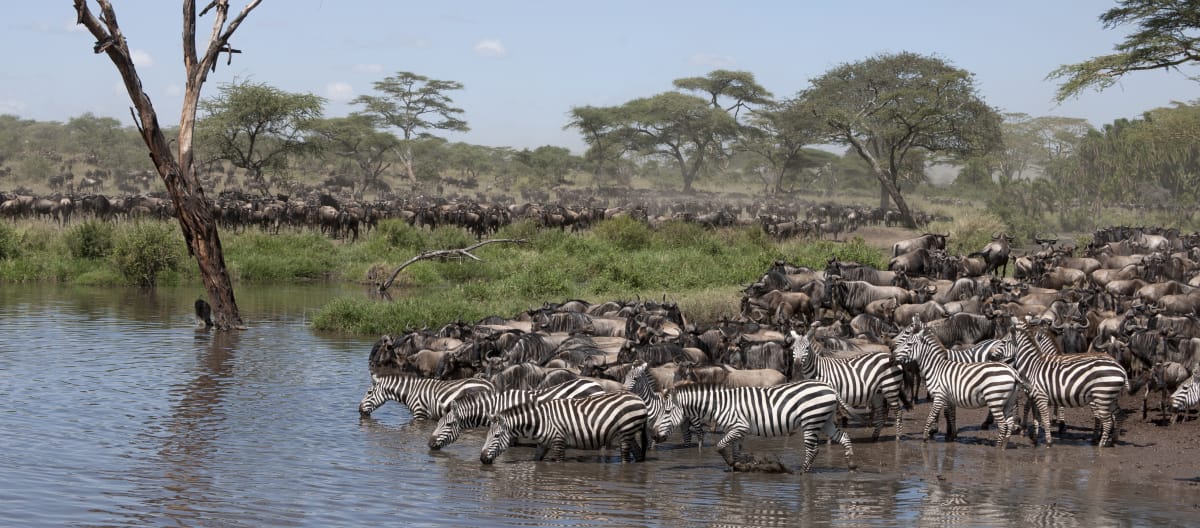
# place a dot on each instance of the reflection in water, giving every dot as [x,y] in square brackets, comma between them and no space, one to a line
[194,428]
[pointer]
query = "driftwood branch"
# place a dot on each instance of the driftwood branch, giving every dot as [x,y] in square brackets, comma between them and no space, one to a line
[444,253]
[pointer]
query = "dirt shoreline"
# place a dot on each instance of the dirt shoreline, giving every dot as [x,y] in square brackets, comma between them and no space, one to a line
[1146,451]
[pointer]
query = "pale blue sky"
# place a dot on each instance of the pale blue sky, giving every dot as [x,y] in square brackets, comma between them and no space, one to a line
[524,64]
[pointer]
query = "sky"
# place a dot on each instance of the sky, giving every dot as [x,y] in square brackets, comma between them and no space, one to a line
[525,64]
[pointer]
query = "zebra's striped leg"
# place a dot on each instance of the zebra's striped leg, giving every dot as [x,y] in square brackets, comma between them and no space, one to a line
[1003,426]
[1042,404]
[879,415]
[842,438]
[897,414]
[1107,420]
[810,450]
[728,446]
[935,409]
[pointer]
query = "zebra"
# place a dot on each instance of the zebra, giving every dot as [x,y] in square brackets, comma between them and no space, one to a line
[640,383]
[581,423]
[1075,380]
[953,384]
[869,380]
[1187,396]
[427,399]
[476,410]
[781,410]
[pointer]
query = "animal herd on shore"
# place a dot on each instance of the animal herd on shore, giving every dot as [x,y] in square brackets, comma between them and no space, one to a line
[812,349]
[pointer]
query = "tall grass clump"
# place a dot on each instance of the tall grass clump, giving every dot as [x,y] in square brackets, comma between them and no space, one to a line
[261,257]
[970,233]
[10,242]
[92,239]
[816,255]
[143,250]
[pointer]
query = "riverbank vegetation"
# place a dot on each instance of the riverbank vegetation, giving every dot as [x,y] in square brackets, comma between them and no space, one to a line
[702,269]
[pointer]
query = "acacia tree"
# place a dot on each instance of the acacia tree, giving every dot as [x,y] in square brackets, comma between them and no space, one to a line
[177,169]
[414,104]
[683,128]
[256,127]
[738,88]
[600,127]
[1167,37]
[894,110]
[355,138]
[778,136]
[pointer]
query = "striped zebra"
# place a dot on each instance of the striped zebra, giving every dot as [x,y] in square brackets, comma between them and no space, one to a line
[426,399]
[953,384]
[581,423]
[477,410]
[1187,396]
[870,380]
[1075,380]
[639,381]
[781,410]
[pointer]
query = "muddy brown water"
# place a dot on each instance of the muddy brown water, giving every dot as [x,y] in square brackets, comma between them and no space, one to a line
[114,411]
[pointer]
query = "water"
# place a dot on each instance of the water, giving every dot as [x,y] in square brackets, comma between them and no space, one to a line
[116,412]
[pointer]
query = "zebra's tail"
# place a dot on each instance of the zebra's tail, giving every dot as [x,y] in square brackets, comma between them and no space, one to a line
[846,409]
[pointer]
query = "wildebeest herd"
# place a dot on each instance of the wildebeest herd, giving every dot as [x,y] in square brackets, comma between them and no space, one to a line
[346,217]
[812,349]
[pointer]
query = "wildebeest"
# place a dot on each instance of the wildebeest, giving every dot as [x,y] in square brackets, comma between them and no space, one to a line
[927,241]
[996,253]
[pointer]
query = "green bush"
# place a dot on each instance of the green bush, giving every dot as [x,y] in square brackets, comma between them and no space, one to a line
[625,233]
[92,239]
[10,242]
[143,250]
[969,233]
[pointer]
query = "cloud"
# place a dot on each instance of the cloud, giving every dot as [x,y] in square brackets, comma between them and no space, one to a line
[367,68]
[141,58]
[339,91]
[712,59]
[174,90]
[491,48]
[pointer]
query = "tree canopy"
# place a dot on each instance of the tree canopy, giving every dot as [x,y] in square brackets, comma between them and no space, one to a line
[416,105]
[896,109]
[1167,36]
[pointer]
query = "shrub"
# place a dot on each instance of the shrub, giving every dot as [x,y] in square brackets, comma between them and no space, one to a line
[90,240]
[10,242]
[144,249]
[625,233]
[969,233]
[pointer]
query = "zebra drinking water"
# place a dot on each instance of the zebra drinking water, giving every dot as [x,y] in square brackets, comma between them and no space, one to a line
[427,399]
[952,384]
[581,423]
[478,409]
[871,380]
[781,410]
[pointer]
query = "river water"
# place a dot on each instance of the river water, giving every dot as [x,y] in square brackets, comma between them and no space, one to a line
[115,411]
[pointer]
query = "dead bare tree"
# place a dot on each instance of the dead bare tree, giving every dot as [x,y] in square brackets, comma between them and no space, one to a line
[179,172]
[447,253]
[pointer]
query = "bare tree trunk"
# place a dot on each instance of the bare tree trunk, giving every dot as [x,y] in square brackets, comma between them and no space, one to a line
[192,208]
[887,187]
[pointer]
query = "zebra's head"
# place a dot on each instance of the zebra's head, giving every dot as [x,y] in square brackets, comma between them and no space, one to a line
[801,347]
[671,417]
[1186,396]
[499,437]
[447,430]
[372,399]
[902,344]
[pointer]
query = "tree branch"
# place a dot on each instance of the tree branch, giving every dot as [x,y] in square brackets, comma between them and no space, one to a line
[443,253]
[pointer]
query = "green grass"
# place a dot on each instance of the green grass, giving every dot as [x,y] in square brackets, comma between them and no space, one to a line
[703,270]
